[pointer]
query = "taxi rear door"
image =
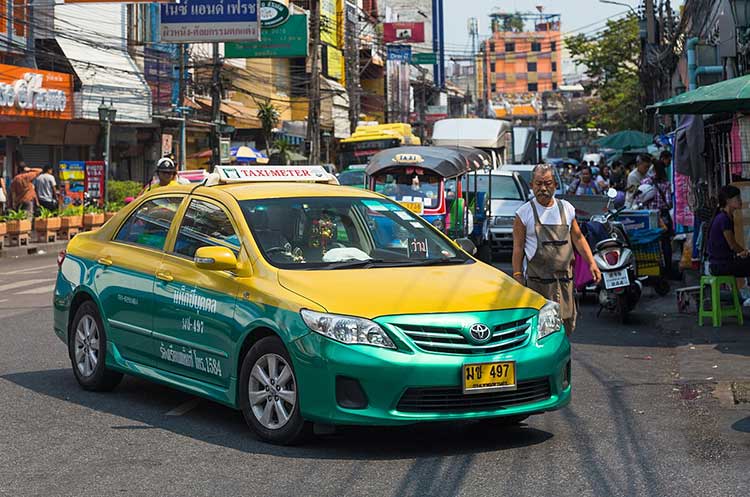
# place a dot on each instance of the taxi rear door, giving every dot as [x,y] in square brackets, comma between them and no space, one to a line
[194,318]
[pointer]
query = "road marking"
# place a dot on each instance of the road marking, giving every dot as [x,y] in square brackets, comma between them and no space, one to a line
[28,270]
[36,291]
[19,284]
[183,408]
[3,300]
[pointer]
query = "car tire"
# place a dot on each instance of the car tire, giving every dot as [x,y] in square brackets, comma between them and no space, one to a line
[274,417]
[87,348]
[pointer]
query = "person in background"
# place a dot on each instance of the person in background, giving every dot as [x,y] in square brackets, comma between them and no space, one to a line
[643,164]
[45,186]
[3,195]
[603,179]
[662,202]
[617,176]
[726,257]
[22,189]
[665,158]
[166,172]
[585,184]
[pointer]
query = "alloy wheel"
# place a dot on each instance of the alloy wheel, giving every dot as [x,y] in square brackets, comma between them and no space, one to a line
[272,391]
[87,346]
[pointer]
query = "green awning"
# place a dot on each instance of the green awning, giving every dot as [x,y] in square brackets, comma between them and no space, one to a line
[732,95]
[625,140]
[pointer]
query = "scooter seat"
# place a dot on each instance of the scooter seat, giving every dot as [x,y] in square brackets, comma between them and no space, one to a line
[608,243]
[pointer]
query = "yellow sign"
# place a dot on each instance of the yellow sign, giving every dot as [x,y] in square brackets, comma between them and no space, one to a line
[408,158]
[489,376]
[415,207]
[330,22]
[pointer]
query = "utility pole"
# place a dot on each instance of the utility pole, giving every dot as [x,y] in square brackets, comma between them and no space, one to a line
[351,59]
[423,106]
[215,107]
[385,90]
[181,107]
[474,32]
[313,116]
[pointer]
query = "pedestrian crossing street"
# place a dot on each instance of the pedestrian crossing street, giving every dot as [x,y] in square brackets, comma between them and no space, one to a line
[27,283]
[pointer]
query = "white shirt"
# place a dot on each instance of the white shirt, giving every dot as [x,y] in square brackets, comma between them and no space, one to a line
[547,215]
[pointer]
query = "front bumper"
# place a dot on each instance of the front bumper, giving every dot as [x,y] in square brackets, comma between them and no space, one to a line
[395,382]
[501,239]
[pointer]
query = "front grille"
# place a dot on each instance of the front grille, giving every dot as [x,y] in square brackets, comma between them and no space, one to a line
[450,340]
[453,400]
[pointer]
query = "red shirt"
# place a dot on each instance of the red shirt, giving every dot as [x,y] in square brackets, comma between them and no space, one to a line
[22,187]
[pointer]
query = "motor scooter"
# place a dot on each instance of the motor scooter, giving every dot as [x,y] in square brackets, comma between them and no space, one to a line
[619,289]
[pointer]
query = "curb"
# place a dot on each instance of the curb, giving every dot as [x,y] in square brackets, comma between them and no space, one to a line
[33,249]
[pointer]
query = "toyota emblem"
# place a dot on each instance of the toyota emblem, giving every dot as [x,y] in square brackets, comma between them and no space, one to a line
[479,332]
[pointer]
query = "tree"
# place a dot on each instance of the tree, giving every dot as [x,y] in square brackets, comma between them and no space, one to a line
[282,149]
[612,59]
[269,119]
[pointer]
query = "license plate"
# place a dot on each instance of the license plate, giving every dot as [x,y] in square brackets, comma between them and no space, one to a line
[616,279]
[415,207]
[489,376]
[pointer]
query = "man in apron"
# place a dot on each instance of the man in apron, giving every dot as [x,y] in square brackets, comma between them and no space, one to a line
[545,232]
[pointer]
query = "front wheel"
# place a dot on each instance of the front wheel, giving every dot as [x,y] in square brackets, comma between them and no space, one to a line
[87,347]
[269,394]
[662,287]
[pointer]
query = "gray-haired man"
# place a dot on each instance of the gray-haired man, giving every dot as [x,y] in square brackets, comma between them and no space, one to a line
[544,234]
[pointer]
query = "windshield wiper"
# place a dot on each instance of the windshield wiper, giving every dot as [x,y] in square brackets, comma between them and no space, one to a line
[351,264]
[436,262]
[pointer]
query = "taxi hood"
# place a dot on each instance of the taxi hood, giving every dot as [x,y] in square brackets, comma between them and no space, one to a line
[376,292]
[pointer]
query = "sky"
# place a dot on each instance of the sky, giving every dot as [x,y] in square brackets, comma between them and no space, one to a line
[577,16]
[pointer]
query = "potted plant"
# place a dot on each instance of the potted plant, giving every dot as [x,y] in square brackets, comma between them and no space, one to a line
[3,228]
[110,209]
[17,223]
[93,217]
[71,217]
[47,221]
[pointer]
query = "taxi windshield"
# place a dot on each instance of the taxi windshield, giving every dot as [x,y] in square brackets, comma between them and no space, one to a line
[411,185]
[344,232]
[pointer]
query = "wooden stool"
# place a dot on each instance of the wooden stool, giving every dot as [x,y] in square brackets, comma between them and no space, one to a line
[68,233]
[18,240]
[717,312]
[46,236]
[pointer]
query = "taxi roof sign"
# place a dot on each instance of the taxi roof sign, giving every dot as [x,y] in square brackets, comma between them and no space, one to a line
[255,174]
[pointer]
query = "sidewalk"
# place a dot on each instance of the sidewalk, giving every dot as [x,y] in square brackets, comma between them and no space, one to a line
[32,249]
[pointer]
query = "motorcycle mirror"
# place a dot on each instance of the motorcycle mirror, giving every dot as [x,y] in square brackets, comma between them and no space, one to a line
[612,193]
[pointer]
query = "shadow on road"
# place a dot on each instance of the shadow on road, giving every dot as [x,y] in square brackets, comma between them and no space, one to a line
[145,404]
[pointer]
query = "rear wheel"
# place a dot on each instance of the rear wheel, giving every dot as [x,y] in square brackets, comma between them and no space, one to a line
[269,395]
[87,347]
[623,308]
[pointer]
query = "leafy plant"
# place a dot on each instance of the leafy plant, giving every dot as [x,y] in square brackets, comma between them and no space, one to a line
[113,206]
[282,148]
[17,215]
[72,211]
[269,119]
[45,213]
[92,209]
[118,191]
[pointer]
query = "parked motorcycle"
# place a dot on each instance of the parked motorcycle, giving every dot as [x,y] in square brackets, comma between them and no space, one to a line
[619,289]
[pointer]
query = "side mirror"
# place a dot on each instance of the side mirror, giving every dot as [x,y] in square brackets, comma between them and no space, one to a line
[612,193]
[467,245]
[215,259]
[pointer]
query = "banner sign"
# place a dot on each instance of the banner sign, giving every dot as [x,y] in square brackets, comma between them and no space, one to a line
[286,40]
[26,92]
[95,181]
[399,53]
[159,74]
[403,32]
[272,14]
[330,22]
[195,21]
[429,59]
[72,176]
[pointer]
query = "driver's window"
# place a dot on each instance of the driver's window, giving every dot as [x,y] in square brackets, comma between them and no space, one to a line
[205,224]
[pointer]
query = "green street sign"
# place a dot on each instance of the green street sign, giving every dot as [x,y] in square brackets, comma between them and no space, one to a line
[272,14]
[424,58]
[287,40]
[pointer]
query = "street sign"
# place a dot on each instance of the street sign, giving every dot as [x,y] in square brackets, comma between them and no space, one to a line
[196,21]
[272,14]
[428,59]
[286,40]
[399,53]
[403,32]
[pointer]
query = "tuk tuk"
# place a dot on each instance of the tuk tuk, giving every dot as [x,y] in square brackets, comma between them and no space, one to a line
[429,182]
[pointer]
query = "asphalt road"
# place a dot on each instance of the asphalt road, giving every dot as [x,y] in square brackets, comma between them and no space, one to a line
[628,431]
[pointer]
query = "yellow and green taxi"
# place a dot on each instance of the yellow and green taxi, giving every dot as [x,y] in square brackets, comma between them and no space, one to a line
[275,291]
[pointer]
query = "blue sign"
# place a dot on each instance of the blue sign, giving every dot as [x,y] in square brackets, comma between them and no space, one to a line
[399,53]
[197,21]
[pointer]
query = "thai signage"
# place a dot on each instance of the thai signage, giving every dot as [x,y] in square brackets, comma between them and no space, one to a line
[286,40]
[26,92]
[272,14]
[195,21]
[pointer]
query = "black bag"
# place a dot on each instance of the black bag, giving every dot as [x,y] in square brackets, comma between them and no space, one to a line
[665,217]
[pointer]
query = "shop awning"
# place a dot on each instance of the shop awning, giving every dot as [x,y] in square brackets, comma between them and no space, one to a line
[625,140]
[239,115]
[93,38]
[732,95]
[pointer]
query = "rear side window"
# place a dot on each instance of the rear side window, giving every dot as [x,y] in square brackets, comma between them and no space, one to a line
[205,225]
[149,224]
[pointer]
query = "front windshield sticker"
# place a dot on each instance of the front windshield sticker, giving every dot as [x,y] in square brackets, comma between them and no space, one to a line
[404,215]
[418,248]
[374,205]
[417,224]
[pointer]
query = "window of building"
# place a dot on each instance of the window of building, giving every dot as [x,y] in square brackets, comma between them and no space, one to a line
[536,46]
[553,46]
[533,86]
[493,87]
[510,47]
[149,224]
[531,66]
[554,67]
[205,225]
[554,86]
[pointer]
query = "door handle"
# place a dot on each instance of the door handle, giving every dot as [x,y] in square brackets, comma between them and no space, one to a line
[164,275]
[105,261]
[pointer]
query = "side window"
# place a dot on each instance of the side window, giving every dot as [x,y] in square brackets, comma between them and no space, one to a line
[203,225]
[149,224]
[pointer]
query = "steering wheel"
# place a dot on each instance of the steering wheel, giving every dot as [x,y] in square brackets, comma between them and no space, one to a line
[274,250]
[337,245]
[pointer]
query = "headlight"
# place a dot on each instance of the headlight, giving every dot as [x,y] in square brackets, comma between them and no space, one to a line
[347,329]
[549,320]
[504,221]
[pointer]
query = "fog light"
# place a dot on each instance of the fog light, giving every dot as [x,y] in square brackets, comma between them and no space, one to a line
[349,393]
[566,376]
